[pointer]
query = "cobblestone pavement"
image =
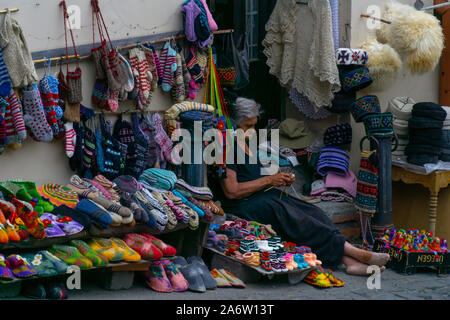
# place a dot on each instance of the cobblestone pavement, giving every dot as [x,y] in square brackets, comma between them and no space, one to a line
[394,286]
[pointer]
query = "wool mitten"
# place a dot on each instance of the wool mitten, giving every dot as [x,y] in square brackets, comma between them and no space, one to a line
[16,111]
[115,71]
[71,139]
[75,94]
[5,80]
[34,117]
[178,90]
[193,67]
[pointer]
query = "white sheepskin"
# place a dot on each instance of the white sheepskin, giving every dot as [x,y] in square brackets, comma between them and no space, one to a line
[384,64]
[414,34]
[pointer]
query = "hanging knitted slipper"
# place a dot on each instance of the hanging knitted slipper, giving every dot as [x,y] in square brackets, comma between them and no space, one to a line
[96,258]
[235,281]
[222,282]
[143,246]
[59,265]
[105,248]
[156,279]
[167,250]
[19,267]
[318,279]
[71,256]
[41,264]
[176,278]
[129,254]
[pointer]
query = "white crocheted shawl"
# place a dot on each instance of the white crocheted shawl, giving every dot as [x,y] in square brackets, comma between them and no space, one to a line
[301,59]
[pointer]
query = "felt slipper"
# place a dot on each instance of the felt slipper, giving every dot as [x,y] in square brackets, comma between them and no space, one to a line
[3,235]
[59,265]
[5,273]
[2,217]
[195,259]
[129,254]
[96,258]
[167,250]
[318,279]
[106,248]
[19,267]
[30,188]
[52,229]
[337,282]
[143,246]
[179,261]
[71,256]
[68,225]
[176,278]
[193,276]
[55,291]
[235,281]
[222,282]
[11,232]
[156,279]
[25,212]
[208,280]
[41,264]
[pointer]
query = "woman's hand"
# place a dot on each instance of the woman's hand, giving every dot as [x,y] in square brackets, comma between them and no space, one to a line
[282,179]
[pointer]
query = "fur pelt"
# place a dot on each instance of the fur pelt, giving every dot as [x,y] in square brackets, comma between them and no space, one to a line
[384,63]
[416,35]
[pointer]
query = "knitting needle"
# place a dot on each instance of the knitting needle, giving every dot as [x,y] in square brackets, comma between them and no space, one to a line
[374,18]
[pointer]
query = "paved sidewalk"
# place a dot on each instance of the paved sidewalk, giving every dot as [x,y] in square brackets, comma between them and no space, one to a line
[394,286]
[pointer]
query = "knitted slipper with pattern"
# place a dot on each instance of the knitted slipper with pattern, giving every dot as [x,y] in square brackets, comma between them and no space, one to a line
[167,250]
[235,281]
[129,254]
[176,278]
[105,248]
[222,282]
[43,266]
[96,258]
[71,256]
[5,273]
[318,279]
[143,246]
[20,267]
[156,279]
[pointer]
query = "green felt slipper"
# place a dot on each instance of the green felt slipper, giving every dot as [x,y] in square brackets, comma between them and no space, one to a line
[97,259]
[59,265]
[43,266]
[30,188]
[71,256]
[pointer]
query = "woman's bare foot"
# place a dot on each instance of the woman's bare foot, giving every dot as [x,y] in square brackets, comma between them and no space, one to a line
[355,267]
[366,257]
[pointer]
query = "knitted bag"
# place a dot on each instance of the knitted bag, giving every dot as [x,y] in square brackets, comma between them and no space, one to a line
[225,63]
[123,132]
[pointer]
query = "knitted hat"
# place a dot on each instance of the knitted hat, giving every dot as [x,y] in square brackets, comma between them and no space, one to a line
[356,80]
[347,182]
[347,56]
[318,187]
[295,134]
[379,123]
[429,110]
[401,107]
[127,184]
[342,101]
[58,195]
[364,106]
[333,160]
[338,135]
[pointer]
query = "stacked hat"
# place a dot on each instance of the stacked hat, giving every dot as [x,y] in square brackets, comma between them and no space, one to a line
[333,160]
[189,118]
[445,150]
[338,135]
[354,76]
[401,108]
[425,133]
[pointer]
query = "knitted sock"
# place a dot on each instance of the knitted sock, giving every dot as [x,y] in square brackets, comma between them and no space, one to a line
[11,137]
[193,66]
[157,64]
[5,80]
[169,67]
[152,66]
[95,212]
[48,88]
[2,134]
[75,94]
[161,138]
[34,115]
[178,91]
[71,139]
[17,115]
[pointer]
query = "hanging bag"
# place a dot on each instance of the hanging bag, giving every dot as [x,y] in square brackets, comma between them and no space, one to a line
[73,85]
[241,62]
[114,69]
[225,62]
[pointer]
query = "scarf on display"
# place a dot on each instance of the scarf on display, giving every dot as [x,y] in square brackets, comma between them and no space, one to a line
[304,106]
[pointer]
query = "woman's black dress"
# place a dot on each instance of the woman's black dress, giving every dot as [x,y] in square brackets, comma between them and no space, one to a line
[293,219]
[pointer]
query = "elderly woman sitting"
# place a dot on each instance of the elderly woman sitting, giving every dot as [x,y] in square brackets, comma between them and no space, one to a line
[246,194]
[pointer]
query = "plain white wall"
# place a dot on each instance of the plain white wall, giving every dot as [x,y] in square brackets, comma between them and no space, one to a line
[420,88]
[42,25]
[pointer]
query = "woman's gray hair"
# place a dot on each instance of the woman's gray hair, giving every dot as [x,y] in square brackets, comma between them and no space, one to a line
[245,109]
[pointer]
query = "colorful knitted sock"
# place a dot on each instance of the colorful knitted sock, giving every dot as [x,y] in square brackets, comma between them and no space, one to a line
[178,91]
[17,115]
[34,115]
[11,137]
[157,64]
[169,67]
[71,139]
[193,66]
[48,88]
[2,134]
[161,138]
[5,80]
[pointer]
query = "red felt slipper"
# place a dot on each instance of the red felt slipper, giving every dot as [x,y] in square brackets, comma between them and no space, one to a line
[143,246]
[166,249]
